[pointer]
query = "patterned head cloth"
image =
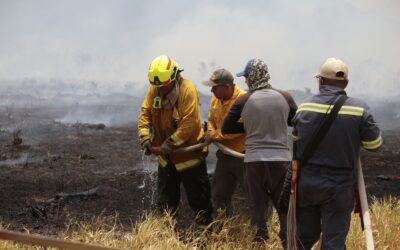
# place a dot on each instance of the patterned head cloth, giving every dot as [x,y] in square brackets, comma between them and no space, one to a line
[256,73]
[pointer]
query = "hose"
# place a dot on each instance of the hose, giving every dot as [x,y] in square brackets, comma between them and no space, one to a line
[228,151]
[223,148]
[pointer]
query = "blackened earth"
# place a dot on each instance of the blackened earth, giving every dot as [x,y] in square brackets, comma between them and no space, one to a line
[83,171]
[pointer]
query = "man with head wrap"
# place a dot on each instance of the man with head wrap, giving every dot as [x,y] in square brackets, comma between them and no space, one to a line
[266,114]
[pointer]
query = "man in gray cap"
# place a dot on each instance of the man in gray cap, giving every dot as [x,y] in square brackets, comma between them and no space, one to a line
[229,170]
[326,185]
[266,113]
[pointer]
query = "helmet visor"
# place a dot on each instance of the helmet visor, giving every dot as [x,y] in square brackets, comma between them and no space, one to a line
[156,82]
[161,78]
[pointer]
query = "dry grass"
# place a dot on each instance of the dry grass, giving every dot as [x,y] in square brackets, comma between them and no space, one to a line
[159,233]
[385,216]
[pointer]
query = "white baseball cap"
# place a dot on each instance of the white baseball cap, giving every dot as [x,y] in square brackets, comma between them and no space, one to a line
[334,68]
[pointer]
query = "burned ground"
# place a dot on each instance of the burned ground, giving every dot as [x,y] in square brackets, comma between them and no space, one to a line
[82,171]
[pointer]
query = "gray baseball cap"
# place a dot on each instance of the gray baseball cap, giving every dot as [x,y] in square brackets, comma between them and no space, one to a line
[219,77]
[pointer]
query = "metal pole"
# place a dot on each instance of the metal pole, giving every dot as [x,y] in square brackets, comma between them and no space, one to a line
[364,209]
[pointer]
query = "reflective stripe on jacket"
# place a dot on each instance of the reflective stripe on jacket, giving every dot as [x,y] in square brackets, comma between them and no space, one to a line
[181,124]
[353,127]
[218,110]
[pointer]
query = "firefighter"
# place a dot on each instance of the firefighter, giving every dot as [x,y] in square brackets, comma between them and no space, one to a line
[327,181]
[228,170]
[265,112]
[170,119]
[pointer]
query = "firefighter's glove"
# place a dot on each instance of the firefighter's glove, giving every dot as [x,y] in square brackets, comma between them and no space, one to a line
[146,147]
[166,148]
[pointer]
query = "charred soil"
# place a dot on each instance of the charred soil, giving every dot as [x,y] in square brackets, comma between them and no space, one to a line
[57,171]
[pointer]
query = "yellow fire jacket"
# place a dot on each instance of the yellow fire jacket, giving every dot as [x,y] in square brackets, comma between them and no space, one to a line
[218,110]
[180,124]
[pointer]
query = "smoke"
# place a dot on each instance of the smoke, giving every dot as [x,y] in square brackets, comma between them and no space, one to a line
[109,103]
[114,41]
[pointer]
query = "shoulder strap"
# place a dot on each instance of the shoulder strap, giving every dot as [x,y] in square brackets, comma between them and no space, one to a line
[323,129]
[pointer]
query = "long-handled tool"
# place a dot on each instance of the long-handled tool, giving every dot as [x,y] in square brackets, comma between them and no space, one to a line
[291,214]
[366,218]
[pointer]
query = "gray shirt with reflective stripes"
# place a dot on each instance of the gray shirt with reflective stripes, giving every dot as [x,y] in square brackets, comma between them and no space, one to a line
[353,127]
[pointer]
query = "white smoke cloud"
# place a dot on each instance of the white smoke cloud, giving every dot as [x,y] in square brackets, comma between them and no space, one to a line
[116,40]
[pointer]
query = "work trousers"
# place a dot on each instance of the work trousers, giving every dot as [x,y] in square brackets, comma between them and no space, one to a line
[228,176]
[197,187]
[264,180]
[325,200]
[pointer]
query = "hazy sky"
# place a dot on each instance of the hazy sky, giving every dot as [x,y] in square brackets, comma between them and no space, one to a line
[115,40]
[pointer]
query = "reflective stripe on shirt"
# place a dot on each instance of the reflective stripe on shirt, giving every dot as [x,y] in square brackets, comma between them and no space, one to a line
[326,109]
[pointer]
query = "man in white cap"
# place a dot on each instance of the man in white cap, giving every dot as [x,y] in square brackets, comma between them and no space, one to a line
[326,185]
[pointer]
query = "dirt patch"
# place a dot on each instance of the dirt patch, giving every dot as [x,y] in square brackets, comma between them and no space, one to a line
[382,168]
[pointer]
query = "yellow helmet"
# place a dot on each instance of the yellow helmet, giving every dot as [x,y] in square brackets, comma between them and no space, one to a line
[162,71]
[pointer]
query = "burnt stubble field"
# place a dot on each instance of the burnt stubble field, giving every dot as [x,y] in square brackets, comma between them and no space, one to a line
[52,171]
